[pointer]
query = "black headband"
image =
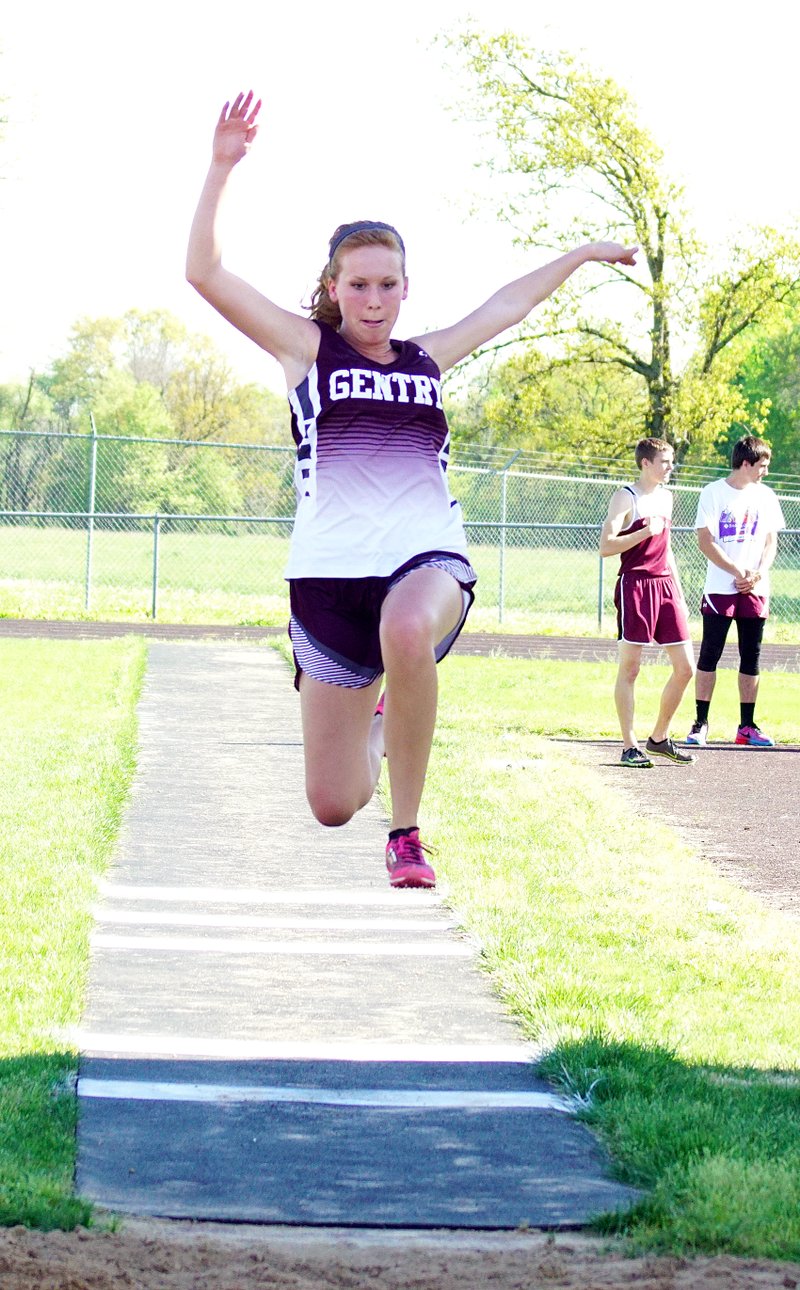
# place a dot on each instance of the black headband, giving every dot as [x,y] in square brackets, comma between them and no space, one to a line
[362,226]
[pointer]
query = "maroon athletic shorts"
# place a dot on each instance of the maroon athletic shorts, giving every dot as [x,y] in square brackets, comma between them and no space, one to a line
[740,604]
[335,622]
[650,611]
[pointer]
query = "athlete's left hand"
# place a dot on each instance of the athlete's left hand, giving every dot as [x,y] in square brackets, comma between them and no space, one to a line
[613,253]
[748,580]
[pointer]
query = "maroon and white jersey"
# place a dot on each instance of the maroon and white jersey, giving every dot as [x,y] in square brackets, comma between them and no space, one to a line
[371,471]
[648,558]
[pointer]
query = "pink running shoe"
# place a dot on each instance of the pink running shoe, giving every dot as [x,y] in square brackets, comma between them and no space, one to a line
[406,864]
[379,705]
[754,737]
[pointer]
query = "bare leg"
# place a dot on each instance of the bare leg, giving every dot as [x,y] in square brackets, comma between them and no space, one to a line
[682,659]
[704,685]
[342,745]
[630,660]
[417,614]
[748,688]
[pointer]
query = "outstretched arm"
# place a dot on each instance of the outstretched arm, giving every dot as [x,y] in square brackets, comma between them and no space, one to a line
[291,338]
[512,303]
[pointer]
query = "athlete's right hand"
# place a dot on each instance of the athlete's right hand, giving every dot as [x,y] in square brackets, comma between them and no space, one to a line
[236,129]
[655,525]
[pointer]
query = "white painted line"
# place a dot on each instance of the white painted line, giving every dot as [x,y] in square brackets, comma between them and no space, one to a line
[387,897]
[175,918]
[243,945]
[98,1043]
[414,1099]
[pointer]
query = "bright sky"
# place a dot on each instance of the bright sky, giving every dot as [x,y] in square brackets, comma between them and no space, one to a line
[111,109]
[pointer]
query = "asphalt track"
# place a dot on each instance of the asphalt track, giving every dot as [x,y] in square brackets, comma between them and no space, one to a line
[503,644]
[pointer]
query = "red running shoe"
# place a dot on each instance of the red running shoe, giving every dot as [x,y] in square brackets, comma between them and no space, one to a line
[406,863]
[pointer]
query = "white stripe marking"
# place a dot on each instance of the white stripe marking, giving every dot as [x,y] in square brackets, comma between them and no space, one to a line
[108,1043]
[435,1099]
[229,945]
[389,898]
[169,918]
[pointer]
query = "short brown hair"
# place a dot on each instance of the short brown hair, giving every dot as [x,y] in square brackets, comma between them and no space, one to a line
[648,449]
[749,449]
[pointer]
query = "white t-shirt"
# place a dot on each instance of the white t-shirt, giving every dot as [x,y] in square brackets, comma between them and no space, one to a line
[739,520]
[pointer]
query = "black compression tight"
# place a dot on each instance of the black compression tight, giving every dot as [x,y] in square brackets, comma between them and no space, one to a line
[715,633]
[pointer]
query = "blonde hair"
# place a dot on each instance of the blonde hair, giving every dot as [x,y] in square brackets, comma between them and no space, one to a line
[362,233]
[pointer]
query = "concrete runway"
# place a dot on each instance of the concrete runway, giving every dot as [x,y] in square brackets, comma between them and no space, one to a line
[272,1034]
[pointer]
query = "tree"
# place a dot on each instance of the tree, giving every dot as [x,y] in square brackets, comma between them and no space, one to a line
[141,378]
[199,395]
[575,411]
[583,164]
[24,457]
[769,376]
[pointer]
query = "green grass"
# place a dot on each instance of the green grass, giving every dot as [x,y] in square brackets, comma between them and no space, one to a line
[558,697]
[666,997]
[206,577]
[67,747]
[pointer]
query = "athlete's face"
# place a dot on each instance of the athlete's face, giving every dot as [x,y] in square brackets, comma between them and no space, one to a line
[369,290]
[755,473]
[661,466]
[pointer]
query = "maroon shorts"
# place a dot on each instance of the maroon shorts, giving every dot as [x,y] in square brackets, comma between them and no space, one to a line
[650,611]
[740,604]
[335,622]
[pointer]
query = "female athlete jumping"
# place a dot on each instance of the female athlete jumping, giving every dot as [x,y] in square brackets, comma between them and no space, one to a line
[380,581]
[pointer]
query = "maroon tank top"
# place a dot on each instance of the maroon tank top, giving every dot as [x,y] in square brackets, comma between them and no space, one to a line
[649,558]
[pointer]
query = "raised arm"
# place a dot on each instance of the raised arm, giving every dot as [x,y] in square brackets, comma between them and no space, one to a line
[292,339]
[612,541]
[513,302]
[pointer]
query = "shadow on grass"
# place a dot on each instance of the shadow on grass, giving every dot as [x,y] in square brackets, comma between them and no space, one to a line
[716,1148]
[38,1115]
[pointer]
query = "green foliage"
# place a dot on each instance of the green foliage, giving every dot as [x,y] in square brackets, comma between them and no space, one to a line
[580,166]
[768,377]
[142,376]
[574,408]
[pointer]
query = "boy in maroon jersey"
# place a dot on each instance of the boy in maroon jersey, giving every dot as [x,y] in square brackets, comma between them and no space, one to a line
[651,608]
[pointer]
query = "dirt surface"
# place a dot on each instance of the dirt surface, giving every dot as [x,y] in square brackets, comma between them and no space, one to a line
[160,1255]
[755,847]
[190,1256]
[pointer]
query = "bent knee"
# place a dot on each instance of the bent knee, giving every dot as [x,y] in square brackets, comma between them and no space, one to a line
[331,808]
[409,638]
[330,813]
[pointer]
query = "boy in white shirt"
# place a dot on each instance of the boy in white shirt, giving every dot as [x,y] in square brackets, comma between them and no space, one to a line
[738,519]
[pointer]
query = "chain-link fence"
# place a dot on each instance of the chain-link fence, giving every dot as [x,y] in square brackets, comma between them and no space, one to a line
[100,526]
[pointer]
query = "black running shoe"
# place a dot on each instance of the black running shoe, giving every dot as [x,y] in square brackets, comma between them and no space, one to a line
[635,757]
[669,750]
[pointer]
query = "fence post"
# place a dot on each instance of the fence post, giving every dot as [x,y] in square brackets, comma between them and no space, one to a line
[600,596]
[501,589]
[156,530]
[87,589]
